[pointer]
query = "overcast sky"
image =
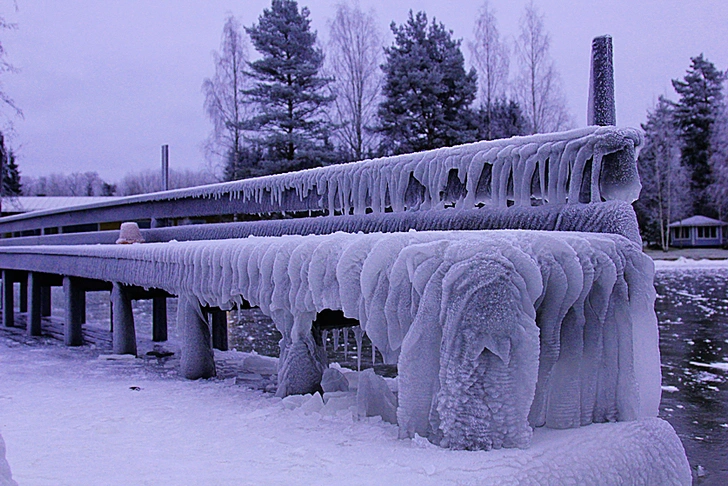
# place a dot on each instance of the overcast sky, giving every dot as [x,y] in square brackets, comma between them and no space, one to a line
[104,83]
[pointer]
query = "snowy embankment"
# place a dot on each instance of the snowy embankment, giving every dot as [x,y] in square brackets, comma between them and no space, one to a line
[683,263]
[69,418]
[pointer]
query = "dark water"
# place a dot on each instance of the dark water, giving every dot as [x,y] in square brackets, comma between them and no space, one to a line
[692,309]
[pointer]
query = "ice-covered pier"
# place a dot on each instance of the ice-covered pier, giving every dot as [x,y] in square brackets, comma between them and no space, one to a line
[505,279]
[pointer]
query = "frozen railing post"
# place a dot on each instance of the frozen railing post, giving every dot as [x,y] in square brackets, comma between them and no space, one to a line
[34,304]
[197,359]
[124,335]
[75,311]
[8,314]
[602,108]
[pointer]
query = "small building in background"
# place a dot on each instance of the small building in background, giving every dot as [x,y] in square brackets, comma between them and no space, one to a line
[697,231]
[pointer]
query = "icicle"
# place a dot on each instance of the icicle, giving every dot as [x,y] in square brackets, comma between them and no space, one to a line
[346,343]
[325,338]
[374,355]
[336,338]
[358,334]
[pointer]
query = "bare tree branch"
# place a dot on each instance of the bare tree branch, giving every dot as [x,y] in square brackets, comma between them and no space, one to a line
[225,104]
[538,84]
[490,57]
[353,59]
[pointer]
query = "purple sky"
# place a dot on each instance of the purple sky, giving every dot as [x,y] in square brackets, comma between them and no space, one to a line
[103,84]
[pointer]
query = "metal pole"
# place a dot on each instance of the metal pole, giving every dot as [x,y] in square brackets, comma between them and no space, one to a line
[165,167]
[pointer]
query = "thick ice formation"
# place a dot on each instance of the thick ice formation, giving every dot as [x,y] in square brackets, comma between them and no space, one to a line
[6,478]
[493,331]
[587,165]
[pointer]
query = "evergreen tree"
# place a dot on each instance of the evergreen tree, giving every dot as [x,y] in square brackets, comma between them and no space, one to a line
[288,90]
[245,163]
[718,190]
[665,195]
[11,177]
[700,99]
[427,92]
[504,119]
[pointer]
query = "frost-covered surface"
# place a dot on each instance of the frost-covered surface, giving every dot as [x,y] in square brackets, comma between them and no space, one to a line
[584,165]
[69,419]
[493,331]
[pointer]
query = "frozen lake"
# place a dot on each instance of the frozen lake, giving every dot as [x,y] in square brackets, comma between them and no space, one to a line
[692,309]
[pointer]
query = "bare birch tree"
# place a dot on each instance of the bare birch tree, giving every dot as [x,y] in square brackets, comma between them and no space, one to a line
[538,84]
[225,104]
[491,59]
[353,59]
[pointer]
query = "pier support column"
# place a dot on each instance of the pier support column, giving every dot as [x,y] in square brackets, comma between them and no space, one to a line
[124,334]
[159,319]
[82,297]
[197,358]
[45,301]
[23,304]
[34,304]
[75,308]
[8,304]
[219,329]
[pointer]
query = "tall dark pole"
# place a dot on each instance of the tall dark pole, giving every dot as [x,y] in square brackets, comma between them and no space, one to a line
[602,110]
[165,167]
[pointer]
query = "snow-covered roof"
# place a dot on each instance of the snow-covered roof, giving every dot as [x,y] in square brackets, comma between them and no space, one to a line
[26,204]
[698,221]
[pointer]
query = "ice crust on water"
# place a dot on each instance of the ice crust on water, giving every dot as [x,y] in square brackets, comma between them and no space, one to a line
[494,332]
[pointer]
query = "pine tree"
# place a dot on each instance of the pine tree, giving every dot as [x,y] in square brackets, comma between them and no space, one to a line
[288,90]
[700,100]
[665,195]
[426,89]
[718,190]
[503,119]
[11,177]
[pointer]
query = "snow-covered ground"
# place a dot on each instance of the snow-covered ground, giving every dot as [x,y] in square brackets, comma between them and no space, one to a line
[683,263]
[70,418]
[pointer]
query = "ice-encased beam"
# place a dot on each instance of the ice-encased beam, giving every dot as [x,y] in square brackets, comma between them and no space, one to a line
[420,297]
[544,169]
[602,107]
[616,217]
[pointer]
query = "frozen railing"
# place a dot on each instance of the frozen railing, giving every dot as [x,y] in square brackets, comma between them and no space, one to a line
[586,165]
[493,332]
